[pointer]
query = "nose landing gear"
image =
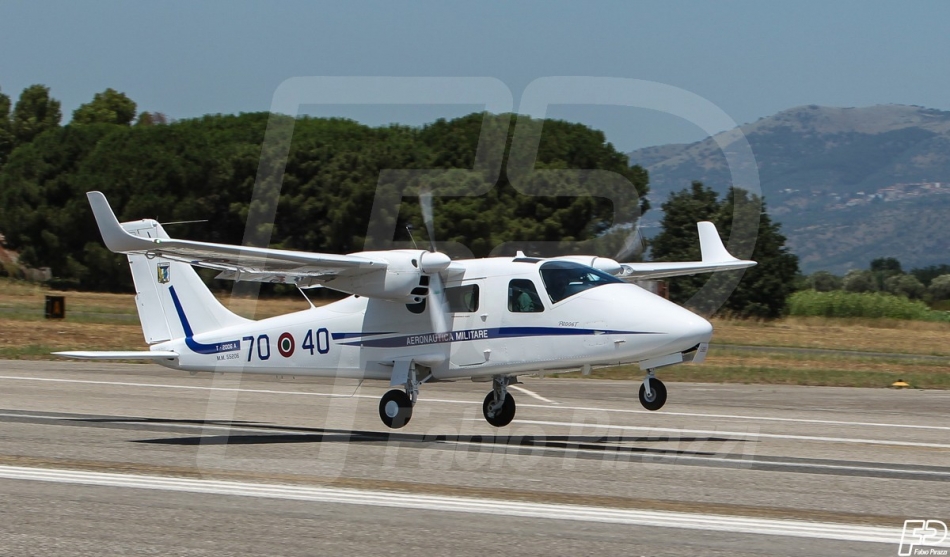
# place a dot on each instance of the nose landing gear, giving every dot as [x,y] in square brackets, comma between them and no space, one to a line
[652,392]
[499,405]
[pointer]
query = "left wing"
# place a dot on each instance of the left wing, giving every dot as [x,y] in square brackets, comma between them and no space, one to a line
[715,257]
[235,262]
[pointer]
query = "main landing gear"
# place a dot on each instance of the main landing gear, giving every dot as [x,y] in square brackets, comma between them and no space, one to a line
[499,405]
[652,392]
[395,407]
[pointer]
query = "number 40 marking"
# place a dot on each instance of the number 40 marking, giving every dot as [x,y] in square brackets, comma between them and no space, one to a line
[323,341]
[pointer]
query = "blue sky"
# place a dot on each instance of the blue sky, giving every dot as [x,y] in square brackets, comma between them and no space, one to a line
[752,59]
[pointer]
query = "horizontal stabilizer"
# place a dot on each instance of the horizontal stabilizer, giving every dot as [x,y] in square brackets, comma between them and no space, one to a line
[119,355]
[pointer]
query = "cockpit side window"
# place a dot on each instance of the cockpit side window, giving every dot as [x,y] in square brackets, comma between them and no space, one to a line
[563,279]
[523,297]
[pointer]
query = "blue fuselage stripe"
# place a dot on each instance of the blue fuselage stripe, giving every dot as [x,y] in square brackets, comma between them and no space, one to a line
[485,334]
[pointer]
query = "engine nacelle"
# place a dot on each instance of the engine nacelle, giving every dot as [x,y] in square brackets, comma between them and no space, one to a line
[604,264]
[403,280]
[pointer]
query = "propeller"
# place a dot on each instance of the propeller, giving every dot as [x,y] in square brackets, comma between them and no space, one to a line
[433,263]
[633,245]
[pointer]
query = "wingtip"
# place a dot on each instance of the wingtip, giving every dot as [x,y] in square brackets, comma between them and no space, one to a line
[710,244]
[116,238]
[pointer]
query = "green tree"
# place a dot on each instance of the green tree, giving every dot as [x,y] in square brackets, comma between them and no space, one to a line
[823,281]
[34,113]
[927,274]
[6,129]
[940,288]
[679,239]
[107,107]
[763,289]
[886,265]
[905,285]
[858,280]
[884,268]
[151,119]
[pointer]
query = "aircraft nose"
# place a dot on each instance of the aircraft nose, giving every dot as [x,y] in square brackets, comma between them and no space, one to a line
[694,330]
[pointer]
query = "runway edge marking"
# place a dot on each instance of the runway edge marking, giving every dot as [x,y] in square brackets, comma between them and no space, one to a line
[493,507]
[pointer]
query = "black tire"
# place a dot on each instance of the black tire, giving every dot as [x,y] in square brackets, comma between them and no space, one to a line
[658,392]
[399,413]
[504,416]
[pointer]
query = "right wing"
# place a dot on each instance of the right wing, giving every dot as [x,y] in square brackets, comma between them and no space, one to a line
[715,257]
[235,262]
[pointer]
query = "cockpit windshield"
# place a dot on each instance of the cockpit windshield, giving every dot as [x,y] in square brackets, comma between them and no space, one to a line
[563,279]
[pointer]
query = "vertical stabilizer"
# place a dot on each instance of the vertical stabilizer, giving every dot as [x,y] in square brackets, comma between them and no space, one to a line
[171,298]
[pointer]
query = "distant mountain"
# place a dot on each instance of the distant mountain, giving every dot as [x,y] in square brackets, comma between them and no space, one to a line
[847,184]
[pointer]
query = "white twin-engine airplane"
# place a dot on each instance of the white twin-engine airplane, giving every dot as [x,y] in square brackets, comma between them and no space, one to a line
[414,315]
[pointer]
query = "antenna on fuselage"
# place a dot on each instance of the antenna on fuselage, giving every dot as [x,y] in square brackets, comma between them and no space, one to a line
[409,230]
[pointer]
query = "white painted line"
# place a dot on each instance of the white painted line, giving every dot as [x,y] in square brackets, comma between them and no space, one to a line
[741,417]
[741,433]
[492,507]
[532,394]
[457,401]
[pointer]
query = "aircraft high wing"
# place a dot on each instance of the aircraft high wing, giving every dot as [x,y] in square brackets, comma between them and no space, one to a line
[386,274]
[715,257]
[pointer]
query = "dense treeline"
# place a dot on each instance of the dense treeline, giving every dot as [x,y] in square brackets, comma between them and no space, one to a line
[205,169]
[762,291]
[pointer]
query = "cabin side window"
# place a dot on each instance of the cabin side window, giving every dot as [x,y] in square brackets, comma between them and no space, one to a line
[462,299]
[523,297]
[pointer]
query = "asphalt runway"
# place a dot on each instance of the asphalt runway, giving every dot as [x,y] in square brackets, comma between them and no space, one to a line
[116,459]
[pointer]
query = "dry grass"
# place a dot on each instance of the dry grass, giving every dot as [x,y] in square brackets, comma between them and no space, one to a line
[885,335]
[36,340]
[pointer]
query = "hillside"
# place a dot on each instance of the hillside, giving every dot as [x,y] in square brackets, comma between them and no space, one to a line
[847,184]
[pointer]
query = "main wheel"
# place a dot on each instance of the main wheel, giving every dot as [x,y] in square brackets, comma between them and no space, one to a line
[395,409]
[657,397]
[503,415]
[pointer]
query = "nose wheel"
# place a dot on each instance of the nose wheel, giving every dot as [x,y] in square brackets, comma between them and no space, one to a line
[499,405]
[652,393]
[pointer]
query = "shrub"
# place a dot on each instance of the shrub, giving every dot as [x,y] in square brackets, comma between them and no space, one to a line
[864,304]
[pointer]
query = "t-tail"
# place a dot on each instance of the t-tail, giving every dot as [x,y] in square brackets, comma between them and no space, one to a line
[172,300]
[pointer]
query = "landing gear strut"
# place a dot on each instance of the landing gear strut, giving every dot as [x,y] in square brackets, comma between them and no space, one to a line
[395,407]
[652,392]
[499,405]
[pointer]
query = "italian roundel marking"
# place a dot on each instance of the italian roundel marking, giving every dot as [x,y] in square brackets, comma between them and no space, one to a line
[285,345]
